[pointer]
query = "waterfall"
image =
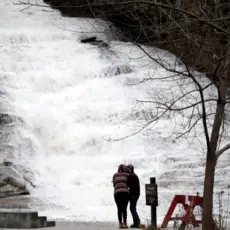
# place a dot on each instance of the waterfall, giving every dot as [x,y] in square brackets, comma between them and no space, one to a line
[64,100]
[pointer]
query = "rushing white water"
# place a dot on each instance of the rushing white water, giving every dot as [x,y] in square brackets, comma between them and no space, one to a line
[68,97]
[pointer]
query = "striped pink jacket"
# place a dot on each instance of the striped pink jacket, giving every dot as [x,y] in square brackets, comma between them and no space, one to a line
[120,182]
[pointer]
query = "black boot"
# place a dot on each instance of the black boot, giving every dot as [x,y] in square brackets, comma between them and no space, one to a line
[134,226]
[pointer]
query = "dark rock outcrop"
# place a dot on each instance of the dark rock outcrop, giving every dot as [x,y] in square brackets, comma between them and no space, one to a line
[190,35]
[6,119]
[94,41]
[11,181]
[89,40]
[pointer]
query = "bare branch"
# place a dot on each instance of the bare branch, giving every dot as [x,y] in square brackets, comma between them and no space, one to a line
[139,130]
[222,150]
[166,6]
[20,2]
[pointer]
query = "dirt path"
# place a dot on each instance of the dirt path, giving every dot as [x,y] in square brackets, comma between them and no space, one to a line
[80,226]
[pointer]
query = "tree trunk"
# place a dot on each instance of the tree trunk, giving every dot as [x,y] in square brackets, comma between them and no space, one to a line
[211,159]
[207,217]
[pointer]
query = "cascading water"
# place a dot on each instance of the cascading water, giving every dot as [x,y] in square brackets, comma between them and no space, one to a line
[65,99]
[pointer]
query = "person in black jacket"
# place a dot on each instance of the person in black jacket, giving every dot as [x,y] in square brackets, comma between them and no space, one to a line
[134,194]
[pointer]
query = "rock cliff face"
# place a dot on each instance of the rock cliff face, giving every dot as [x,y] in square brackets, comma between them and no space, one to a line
[192,30]
[11,181]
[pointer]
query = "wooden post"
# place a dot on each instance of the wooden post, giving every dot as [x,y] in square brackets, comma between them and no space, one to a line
[154,205]
[152,200]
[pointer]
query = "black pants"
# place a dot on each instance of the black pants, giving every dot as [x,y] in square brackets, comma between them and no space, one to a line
[133,209]
[122,200]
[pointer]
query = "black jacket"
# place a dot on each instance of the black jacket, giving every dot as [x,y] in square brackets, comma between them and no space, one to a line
[133,184]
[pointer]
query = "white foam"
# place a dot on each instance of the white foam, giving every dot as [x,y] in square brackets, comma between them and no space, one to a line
[70,100]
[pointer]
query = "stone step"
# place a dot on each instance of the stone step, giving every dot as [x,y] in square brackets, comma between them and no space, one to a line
[13,206]
[50,224]
[41,222]
[18,219]
[22,219]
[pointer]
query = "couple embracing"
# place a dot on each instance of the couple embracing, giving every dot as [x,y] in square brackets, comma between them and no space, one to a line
[126,189]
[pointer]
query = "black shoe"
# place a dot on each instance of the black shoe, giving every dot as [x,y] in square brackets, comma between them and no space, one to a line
[134,226]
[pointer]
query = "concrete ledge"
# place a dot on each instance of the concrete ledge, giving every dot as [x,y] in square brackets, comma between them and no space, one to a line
[12,193]
[51,224]
[42,222]
[13,206]
[9,219]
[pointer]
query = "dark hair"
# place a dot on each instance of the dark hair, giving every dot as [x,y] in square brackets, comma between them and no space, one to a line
[122,168]
[130,167]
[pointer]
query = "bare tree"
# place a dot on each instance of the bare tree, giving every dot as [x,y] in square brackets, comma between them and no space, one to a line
[203,101]
[198,33]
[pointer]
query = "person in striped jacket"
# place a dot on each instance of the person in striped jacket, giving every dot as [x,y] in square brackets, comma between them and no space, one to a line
[121,194]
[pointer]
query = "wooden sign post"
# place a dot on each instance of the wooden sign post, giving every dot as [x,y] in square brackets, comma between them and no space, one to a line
[152,200]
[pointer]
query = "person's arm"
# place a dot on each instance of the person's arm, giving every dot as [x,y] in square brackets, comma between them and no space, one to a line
[128,181]
[138,182]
